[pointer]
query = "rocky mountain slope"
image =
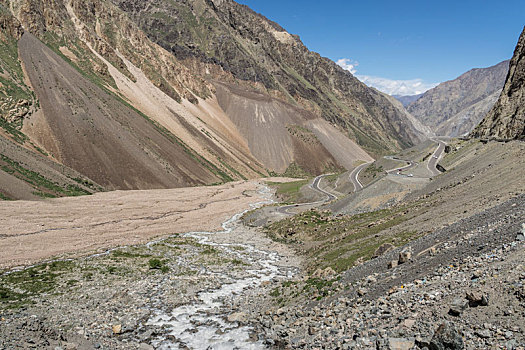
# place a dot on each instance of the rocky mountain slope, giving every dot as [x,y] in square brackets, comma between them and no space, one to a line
[138,95]
[228,41]
[506,120]
[455,107]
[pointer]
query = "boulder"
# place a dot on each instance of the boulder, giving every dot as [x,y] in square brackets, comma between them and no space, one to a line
[117,329]
[400,344]
[477,298]
[237,317]
[383,248]
[392,264]
[458,306]
[446,336]
[405,256]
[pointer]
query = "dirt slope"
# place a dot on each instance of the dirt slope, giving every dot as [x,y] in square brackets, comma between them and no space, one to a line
[26,174]
[276,131]
[227,41]
[88,130]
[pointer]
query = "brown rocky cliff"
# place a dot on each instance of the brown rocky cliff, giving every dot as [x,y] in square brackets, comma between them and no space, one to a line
[506,120]
[10,27]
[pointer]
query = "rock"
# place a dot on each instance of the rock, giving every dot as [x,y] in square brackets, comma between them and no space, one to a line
[408,323]
[458,306]
[237,317]
[423,343]
[405,256]
[400,344]
[117,329]
[476,298]
[392,264]
[326,273]
[485,334]
[511,344]
[371,279]
[383,248]
[477,274]
[520,237]
[446,337]
[361,291]
[144,346]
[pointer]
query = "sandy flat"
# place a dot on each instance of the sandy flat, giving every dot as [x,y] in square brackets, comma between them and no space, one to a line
[33,231]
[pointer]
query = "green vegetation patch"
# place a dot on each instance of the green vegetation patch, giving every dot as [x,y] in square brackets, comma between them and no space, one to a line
[15,95]
[43,186]
[289,192]
[341,242]
[296,171]
[20,287]
[158,264]
[374,170]
[5,197]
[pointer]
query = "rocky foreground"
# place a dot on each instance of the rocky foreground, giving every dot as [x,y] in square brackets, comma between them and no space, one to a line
[461,287]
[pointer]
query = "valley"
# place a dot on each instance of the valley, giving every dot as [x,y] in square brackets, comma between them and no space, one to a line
[238,286]
[190,175]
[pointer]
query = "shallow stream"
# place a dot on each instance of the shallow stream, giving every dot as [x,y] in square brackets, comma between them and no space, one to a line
[204,323]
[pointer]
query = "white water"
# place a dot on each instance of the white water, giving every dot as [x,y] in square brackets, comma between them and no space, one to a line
[203,324]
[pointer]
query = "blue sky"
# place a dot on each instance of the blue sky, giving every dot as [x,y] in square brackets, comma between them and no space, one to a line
[418,42]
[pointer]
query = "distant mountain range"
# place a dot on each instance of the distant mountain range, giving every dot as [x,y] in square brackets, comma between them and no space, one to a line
[406,100]
[455,107]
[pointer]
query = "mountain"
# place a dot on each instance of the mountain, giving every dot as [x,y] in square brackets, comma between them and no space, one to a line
[227,41]
[161,94]
[406,100]
[506,120]
[455,107]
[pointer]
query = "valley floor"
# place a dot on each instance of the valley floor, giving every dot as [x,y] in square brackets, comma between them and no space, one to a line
[440,267]
[34,231]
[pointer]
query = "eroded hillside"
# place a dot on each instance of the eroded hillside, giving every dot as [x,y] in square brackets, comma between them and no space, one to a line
[163,94]
[228,41]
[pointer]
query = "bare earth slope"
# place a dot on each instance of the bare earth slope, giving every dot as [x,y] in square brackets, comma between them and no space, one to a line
[90,131]
[229,42]
[27,175]
[277,132]
[454,107]
[506,120]
[107,58]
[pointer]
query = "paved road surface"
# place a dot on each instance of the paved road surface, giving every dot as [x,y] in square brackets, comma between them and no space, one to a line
[354,176]
[436,157]
[315,186]
[410,164]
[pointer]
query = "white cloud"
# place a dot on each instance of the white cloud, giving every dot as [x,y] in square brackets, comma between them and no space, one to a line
[348,64]
[397,87]
[391,87]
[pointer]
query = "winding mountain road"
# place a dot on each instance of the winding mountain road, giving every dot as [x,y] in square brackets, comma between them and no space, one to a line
[315,186]
[410,164]
[354,176]
[436,157]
